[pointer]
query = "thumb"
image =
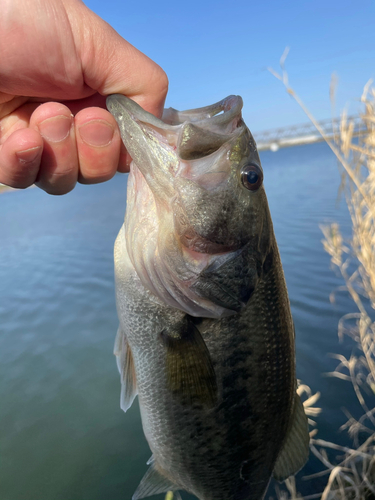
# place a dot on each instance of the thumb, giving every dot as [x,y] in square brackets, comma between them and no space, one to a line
[112,65]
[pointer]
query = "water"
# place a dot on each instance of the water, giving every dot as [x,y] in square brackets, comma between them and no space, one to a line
[62,433]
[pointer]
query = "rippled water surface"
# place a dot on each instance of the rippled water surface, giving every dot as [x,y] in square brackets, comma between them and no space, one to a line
[62,433]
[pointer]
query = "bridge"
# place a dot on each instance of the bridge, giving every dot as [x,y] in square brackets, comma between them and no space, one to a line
[305,133]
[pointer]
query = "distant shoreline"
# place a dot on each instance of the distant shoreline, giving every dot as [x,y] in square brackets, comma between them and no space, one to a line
[5,189]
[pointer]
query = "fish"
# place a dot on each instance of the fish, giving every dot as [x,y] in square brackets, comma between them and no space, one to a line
[206,336]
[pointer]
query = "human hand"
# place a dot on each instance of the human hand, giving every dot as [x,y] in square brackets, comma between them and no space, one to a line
[59,59]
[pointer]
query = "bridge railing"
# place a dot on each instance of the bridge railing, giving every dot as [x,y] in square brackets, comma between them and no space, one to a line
[303,133]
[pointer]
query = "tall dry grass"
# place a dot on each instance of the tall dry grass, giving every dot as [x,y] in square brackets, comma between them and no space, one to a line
[350,471]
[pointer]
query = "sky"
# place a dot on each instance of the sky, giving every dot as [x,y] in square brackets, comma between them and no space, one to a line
[211,49]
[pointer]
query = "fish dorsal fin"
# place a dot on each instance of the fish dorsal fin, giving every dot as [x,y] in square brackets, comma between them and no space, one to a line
[153,482]
[190,372]
[295,450]
[125,364]
[195,142]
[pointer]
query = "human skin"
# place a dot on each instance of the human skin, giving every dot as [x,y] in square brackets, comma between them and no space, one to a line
[58,62]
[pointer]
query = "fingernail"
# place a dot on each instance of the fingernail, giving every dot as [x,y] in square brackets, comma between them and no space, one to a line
[55,129]
[96,133]
[28,155]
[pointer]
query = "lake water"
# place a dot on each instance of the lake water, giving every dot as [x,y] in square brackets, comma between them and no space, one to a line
[62,433]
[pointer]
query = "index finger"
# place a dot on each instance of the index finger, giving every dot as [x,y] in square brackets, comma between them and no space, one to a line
[111,65]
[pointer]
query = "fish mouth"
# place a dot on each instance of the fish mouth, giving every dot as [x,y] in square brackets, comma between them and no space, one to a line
[193,133]
[216,115]
[191,145]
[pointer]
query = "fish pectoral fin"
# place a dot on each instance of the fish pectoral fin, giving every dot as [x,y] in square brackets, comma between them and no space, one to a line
[190,372]
[295,451]
[153,482]
[125,364]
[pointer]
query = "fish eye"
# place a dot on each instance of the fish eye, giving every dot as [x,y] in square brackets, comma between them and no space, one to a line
[252,176]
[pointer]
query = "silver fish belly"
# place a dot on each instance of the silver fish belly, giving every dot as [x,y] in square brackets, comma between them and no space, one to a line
[206,337]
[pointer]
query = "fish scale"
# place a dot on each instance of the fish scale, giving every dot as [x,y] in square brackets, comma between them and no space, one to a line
[215,376]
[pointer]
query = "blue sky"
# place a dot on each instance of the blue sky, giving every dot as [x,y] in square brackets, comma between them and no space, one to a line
[212,49]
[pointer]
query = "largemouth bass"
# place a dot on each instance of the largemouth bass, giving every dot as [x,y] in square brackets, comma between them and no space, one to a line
[206,336]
